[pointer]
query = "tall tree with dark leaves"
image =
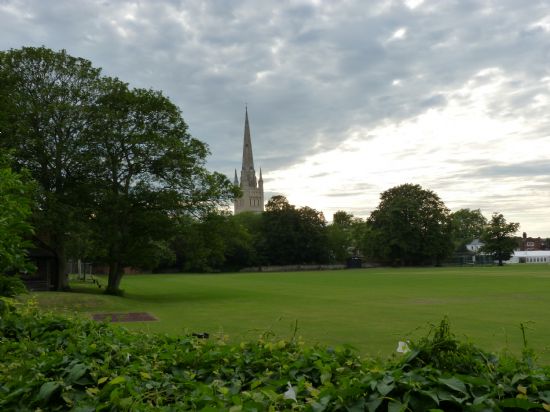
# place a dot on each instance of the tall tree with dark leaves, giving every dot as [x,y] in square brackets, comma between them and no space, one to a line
[116,160]
[46,98]
[293,235]
[147,171]
[498,239]
[410,226]
[467,225]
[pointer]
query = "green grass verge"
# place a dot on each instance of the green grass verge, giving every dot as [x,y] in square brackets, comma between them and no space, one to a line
[371,309]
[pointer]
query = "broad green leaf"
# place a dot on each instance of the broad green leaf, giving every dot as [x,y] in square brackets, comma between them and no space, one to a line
[374,404]
[47,389]
[76,372]
[432,395]
[518,377]
[255,384]
[325,377]
[396,406]
[117,380]
[383,388]
[92,391]
[519,403]
[455,384]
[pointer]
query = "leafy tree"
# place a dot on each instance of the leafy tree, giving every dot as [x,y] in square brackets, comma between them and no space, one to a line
[342,219]
[293,236]
[147,170]
[498,239]
[344,236]
[45,104]
[119,161]
[16,194]
[467,225]
[213,243]
[411,226]
[251,222]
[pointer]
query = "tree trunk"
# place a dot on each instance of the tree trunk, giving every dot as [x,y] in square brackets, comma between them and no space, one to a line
[62,281]
[115,276]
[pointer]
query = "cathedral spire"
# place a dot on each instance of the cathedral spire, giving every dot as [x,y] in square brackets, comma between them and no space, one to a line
[252,198]
[248,160]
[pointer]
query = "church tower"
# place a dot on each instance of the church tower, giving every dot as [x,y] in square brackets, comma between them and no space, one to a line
[252,199]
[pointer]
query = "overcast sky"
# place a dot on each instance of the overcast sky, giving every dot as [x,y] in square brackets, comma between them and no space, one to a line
[345,98]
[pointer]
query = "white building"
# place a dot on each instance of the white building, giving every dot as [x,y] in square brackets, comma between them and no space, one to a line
[474,245]
[530,256]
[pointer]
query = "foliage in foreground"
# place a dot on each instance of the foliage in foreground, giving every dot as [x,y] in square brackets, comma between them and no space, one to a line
[55,363]
[11,286]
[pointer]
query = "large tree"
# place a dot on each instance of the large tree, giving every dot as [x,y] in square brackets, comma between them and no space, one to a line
[498,239]
[410,226]
[293,235]
[345,236]
[467,225]
[213,243]
[44,117]
[119,161]
[147,171]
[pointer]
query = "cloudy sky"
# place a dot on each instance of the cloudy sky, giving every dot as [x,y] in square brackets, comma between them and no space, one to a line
[345,98]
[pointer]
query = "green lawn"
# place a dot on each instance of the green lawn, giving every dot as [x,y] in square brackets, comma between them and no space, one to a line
[371,309]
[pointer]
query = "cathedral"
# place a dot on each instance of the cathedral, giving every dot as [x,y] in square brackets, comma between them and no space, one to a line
[252,199]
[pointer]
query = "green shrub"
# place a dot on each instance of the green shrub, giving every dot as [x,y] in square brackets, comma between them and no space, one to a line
[48,362]
[11,286]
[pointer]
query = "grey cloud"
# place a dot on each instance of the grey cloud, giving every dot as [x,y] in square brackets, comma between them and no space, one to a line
[308,73]
[485,169]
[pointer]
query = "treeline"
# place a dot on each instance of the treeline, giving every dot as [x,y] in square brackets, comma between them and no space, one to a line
[98,171]
[410,226]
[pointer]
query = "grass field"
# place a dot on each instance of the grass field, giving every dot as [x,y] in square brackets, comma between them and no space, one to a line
[370,309]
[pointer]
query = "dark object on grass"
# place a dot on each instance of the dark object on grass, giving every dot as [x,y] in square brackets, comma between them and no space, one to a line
[124,317]
[203,335]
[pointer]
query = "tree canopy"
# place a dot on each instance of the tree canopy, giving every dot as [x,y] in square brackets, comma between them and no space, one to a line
[467,225]
[410,226]
[46,103]
[293,235]
[498,239]
[118,160]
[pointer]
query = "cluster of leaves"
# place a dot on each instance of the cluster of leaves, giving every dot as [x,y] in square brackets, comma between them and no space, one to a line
[55,363]
[11,286]
[16,191]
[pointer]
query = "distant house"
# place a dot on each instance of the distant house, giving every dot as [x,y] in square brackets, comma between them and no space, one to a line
[532,243]
[474,246]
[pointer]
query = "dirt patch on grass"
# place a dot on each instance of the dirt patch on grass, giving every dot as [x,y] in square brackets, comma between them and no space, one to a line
[124,317]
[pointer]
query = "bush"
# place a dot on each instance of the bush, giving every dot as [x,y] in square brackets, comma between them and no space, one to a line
[48,362]
[11,286]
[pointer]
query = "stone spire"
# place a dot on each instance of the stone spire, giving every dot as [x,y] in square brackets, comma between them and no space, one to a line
[248,174]
[252,198]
